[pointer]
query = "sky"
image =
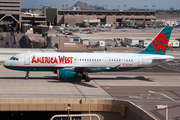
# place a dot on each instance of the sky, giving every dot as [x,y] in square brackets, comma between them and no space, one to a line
[111,4]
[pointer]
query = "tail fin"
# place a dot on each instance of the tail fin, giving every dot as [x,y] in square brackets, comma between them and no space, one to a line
[159,43]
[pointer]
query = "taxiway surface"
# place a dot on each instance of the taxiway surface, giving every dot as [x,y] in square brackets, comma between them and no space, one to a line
[145,89]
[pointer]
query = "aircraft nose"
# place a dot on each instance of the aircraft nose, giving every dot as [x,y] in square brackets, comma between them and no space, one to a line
[5,63]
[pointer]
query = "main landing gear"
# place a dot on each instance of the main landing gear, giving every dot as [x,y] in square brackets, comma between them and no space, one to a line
[27,75]
[86,78]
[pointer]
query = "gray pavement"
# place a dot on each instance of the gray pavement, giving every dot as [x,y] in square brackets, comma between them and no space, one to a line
[146,89]
[133,86]
[46,85]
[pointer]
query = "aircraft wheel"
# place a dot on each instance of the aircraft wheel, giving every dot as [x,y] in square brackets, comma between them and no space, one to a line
[87,79]
[26,77]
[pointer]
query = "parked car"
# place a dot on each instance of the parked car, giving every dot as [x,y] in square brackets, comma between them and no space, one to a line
[109,44]
[15,43]
[7,43]
[69,33]
[83,32]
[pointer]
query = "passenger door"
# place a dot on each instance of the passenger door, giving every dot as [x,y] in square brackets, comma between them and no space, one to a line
[26,60]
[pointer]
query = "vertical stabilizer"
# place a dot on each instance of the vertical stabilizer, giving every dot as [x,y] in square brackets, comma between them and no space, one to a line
[159,43]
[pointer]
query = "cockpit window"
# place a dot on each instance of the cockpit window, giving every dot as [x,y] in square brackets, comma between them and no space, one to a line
[14,58]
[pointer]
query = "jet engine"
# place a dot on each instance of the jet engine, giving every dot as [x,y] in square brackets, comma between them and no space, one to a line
[67,74]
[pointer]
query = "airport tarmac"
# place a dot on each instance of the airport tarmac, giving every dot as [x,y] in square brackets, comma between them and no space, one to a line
[146,89]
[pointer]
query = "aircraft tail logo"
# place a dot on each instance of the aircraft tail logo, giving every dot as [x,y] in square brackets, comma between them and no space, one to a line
[159,43]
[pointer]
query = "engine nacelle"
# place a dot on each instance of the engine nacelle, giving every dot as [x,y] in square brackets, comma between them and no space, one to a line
[67,74]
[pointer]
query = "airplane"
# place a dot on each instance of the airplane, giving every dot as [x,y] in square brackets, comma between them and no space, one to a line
[133,24]
[141,25]
[78,65]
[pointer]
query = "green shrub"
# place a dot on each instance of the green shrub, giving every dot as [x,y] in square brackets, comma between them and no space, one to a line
[1,30]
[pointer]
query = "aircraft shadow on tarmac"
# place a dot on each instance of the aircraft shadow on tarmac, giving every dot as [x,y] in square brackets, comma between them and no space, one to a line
[53,79]
[73,81]
[30,78]
[126,78]
[79,80]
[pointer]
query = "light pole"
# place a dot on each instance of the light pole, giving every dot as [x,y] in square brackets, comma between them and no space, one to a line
[124,7]
[58,35]
[153,6]
[118,7]
[68,108]
[145,7]
[163,107]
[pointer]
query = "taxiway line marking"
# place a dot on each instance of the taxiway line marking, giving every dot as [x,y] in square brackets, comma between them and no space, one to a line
[150,91]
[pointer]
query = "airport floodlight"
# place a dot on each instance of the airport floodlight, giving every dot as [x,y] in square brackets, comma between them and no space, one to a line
[145,6]
[124,7]
[68,108]
[153,6]
[163,107]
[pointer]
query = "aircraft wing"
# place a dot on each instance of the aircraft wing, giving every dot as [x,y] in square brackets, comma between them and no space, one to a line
[82,68]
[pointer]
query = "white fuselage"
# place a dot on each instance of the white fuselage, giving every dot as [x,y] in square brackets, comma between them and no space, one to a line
[57,60]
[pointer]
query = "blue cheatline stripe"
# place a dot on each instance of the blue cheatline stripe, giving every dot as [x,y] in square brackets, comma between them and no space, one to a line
[151,50]
[55,69]
[33,68]
[113,70]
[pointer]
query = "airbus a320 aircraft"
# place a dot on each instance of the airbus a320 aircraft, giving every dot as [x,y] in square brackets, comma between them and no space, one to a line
[78,65]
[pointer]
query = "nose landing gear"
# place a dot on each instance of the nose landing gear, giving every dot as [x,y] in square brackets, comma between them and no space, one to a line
[27,75]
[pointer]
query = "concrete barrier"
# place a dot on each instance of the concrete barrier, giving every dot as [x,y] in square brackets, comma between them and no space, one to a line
[114,109]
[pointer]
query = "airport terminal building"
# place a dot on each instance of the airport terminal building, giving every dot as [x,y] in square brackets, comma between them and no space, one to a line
[10,10]
[96,17]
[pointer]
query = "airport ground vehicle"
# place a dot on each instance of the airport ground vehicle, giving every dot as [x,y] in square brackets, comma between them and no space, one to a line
[77,65]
